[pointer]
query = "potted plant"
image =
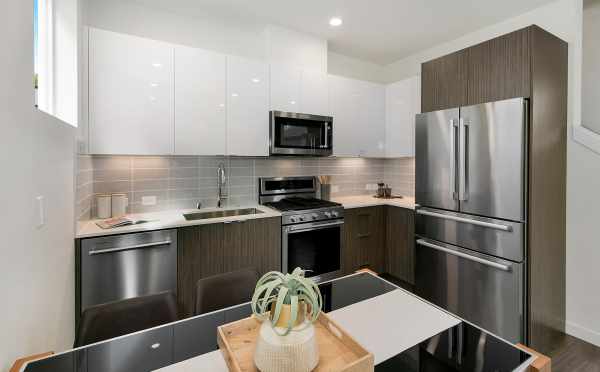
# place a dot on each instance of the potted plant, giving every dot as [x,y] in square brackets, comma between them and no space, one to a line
[287,305]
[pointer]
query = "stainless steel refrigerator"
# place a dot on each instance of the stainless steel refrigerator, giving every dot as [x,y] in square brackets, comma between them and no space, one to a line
[471,183]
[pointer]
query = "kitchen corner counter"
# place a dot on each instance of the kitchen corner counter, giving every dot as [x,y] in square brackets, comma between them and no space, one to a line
[167,220]
[360,201]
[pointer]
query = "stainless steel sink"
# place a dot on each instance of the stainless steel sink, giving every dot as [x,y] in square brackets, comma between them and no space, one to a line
[220,214]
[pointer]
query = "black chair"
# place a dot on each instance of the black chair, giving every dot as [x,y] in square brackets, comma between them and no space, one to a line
[106,321]
[225,290]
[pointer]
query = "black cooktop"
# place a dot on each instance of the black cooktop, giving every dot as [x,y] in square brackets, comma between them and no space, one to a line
[299,204]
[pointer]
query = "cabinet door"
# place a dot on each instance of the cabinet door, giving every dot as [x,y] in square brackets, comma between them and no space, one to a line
[199,255]
[130,95]
[254,243]
[247,107]
[285,88]
[314,93]
[400,243]
[345,100]
[364,243]
[402,104]
[444,82]
[370,130]
[200,115]
[499,69]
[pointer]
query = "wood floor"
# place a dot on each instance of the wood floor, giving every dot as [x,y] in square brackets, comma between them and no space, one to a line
[574,355]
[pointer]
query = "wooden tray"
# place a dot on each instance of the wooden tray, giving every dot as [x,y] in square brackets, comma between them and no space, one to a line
[338,351]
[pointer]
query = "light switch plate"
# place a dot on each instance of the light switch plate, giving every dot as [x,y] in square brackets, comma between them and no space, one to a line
[149,200]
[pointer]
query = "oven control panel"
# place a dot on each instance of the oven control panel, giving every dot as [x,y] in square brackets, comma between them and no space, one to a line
[313,215]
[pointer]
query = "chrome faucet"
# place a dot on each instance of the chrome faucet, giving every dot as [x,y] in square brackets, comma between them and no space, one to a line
[221,182]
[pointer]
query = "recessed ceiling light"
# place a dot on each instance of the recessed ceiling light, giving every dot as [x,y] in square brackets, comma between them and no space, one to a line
[335,21]
[256,80]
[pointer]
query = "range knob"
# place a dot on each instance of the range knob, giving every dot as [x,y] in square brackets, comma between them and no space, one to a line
[328,214]
[293,219]
[314,216]
[335,214]
[301,218]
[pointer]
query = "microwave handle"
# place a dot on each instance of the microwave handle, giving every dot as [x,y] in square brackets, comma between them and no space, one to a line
[326,135]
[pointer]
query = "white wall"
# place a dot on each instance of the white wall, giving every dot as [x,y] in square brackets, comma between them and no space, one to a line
[564,19]
[591,66]
[341,65]
[36,158]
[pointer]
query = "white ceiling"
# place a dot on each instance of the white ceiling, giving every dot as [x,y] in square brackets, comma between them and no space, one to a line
[380,31]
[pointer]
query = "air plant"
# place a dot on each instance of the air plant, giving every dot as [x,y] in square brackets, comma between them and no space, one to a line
[274,290]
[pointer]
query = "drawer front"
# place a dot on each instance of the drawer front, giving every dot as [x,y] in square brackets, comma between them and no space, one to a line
[486,235]
[125,266]
[478,288]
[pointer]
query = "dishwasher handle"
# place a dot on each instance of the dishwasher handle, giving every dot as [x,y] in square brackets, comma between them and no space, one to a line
[129,247]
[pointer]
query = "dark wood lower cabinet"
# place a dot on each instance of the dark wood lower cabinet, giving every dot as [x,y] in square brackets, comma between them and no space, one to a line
[400,243]
[207,250]
[364,239]
[381,239]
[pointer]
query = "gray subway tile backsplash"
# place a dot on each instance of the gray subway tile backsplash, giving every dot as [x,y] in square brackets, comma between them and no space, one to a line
[180,182]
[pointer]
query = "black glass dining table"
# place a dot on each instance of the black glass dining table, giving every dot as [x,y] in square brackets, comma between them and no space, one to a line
[415,337]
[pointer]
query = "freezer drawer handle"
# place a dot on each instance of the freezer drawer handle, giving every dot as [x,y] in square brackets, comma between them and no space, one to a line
[466,220]
[464,255]
[129,247]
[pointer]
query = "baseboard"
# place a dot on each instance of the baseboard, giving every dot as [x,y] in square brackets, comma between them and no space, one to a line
[583,333]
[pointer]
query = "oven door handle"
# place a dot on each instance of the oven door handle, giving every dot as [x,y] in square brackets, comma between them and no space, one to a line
[300,228]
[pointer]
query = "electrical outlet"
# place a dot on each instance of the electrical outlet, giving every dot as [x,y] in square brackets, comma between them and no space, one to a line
[149,200]
[371,186]
[335,188]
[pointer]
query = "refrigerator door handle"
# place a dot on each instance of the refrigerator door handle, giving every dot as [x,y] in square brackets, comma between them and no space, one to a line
[453,159]
[463,185]
[464,255]
[490,225]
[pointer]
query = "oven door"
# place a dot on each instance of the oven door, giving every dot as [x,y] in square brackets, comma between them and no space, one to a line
[300,134]
[315,247]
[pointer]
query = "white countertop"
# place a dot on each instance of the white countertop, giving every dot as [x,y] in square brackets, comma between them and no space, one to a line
[406,319]
[360,201]
[167,220]
[174,218]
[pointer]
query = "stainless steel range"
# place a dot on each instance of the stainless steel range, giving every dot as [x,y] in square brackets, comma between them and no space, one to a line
[312,229]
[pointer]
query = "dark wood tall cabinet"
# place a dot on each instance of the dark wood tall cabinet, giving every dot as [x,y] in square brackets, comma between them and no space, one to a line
[206,250]
[530,63]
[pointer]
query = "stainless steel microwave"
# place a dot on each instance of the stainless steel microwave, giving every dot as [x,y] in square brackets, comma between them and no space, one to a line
[300,134]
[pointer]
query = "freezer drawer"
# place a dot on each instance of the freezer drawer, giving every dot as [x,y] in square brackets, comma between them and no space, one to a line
[481,289]
[125,266]
[498,238]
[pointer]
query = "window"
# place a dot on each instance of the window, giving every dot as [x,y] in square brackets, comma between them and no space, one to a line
[55,50]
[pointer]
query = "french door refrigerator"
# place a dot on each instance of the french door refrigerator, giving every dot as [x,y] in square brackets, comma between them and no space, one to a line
[471,184]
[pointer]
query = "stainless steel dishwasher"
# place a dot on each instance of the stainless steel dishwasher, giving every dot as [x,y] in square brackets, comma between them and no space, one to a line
[118,267]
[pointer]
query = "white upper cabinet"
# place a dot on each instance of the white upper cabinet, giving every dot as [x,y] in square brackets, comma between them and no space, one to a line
[358,109]
[130,94]
[403,101]
[200,102]
[297,90]
[247,107]
[314,93]
[285,88]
